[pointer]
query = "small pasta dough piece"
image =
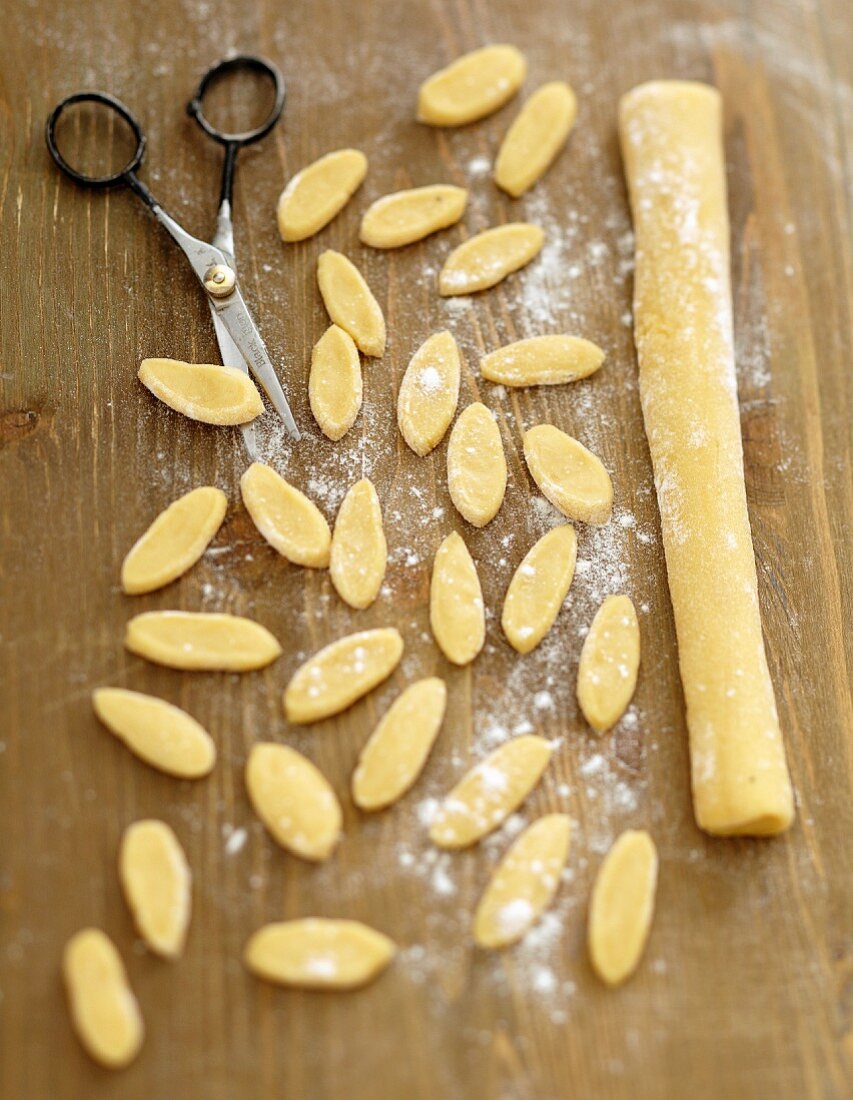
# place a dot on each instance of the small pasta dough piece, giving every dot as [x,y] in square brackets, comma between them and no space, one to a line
[334,384]
[408,216]
[456,612]
[203,391]
[429,393]
[569,475]
[174,542]
[290,522]
[535,138]
[524,882]
[318,953]
[538,588]
[341,673]
[398,748]
[294,800]
[359,550]
[156,881]
[319,192]
[472,86]
[622,905]
[476,467]
[159,733]
[610,658]
[350,302]
[493,789]
[104,1011]
[201,641]
[542,361]
[485,259]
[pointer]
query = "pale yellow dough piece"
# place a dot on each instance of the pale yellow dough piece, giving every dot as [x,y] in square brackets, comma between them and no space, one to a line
[476,466]
[162,735]
[157,885]
[294,800]
[485,259]
[610,658]
[198,640]
[456,612]
[524,882]
[317,953]
[542,361]
[398,748]
[671,134]
[350,302]
[341,673]
[320,191]
[104,1011]
[622,905]
[472,86]
[408,216]
[538,588]
[484,798]
[290,522]
[569,475]
[334,384]
[174,542]
[535,138]
[429,393]
[203,391]
[359,550]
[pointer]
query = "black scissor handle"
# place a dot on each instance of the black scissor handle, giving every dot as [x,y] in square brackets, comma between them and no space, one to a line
[124,174]
[195,107]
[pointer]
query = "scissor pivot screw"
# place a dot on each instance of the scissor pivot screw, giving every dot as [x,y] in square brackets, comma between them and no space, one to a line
[219,280]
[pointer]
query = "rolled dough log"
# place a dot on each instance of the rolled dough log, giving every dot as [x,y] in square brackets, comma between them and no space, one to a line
[671,135]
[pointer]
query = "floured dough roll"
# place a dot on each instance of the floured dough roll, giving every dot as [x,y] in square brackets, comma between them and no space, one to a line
[672,146]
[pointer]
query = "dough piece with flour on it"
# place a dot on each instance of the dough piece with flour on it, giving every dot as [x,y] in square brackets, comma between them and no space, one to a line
[320,191]
[671,133]
[318,953]
[535,138]
[429,393]
[472,86]
[174,542]
[341,673]
[524,882]
[350,303]
[408,216]
[359,549]
[486,259]
[398,748]
[203,391]
[456,612]
[335,387]
[476,466]
[538,588]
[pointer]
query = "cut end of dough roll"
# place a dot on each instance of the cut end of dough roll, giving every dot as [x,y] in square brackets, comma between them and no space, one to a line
[685,93]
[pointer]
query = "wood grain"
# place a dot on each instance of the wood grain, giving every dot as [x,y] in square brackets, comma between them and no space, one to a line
[744,990]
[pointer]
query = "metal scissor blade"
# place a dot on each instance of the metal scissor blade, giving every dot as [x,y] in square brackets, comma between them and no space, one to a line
[235,316]
[231,357]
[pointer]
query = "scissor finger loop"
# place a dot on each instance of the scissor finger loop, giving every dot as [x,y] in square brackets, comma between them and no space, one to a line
[195,107]
[116,107]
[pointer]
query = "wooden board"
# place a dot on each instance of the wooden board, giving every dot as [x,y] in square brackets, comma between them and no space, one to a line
[742,991]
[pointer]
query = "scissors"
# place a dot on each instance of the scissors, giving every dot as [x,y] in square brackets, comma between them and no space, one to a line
[240,343]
